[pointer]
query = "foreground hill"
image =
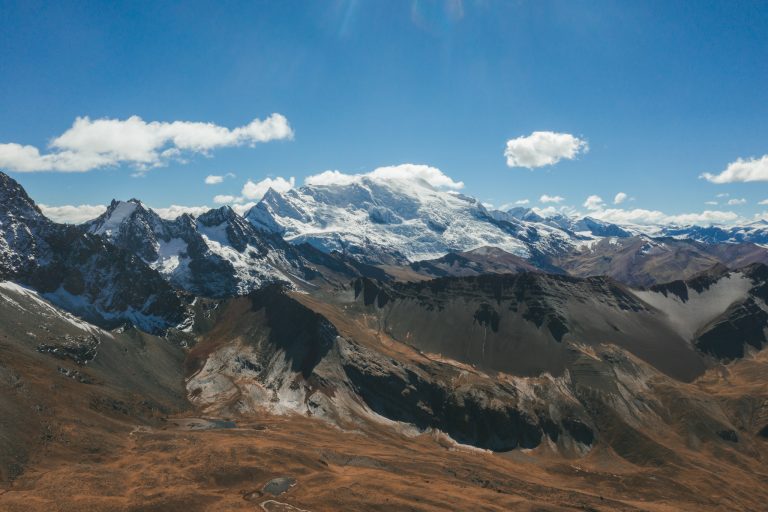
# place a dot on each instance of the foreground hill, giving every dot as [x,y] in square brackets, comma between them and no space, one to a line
[404,396]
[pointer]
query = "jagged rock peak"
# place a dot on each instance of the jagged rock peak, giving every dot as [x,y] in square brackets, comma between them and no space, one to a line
[14,199]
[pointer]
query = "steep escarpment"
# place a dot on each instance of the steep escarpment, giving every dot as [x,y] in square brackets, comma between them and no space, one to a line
[287,353]
[520,323]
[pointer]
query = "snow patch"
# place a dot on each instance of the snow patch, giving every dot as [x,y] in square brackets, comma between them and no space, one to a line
[701,307]
[122,211]
[26,299]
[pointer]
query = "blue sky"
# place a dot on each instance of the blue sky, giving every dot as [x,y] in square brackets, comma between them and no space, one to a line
[661,92]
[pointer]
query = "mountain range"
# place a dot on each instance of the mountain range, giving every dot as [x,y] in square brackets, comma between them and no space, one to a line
[373,345]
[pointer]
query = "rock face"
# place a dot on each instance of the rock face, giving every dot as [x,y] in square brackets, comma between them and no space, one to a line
[78,270]
[743,324]
[21,224]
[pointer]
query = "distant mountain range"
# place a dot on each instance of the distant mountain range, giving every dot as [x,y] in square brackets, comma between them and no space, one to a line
[415,317]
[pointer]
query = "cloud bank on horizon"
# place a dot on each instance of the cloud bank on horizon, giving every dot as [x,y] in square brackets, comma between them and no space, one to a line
[93,144]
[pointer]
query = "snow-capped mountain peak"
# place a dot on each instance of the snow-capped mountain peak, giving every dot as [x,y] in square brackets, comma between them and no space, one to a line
[113,218]
[218,253]
[377,219]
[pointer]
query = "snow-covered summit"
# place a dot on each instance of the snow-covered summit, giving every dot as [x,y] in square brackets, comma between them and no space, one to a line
[377,218]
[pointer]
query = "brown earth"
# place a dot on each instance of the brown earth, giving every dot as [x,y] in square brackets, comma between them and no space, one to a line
[121,435]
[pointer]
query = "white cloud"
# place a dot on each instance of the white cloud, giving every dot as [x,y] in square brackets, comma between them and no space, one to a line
[328,178]
[594,203]
[705,217]
[753,169]
[242,208]
[224,199]
[549,211]
[412,172]
[763,202]
[173,211]
[91,144]
[620,198]
[403,174]
[551,199]
[73,214]
[723,194]
[213,179]
[522,202]
[711,203]
[642,216]
[543,148]
[256,190]
[253,191]
[734,202]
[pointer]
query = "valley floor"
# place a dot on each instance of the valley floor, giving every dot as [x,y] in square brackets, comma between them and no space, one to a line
[189,464]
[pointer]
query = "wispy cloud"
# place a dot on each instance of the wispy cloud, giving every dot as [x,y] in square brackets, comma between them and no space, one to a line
[92,144]
[620,198]
[173,211]
[225,199]
[642,216]
[214,179]
[551,199]
[594,203]
[543,148]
